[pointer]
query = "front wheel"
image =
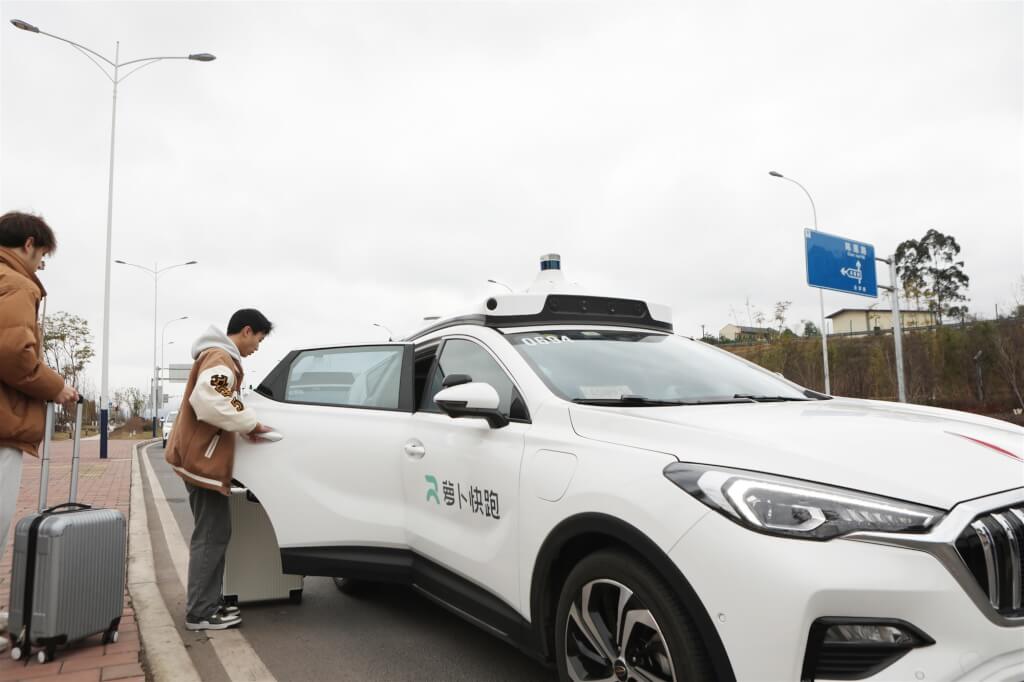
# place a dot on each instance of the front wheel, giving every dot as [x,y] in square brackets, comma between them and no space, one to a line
[619,621]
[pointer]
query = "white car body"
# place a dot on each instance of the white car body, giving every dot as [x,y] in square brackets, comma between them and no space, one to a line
[348,490]
[168,425]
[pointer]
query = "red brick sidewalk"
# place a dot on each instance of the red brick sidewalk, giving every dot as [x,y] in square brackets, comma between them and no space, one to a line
[101,483]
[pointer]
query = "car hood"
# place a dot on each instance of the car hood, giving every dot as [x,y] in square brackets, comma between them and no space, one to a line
[927,455]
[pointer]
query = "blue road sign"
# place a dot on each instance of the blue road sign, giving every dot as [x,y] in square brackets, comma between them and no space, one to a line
[840,264]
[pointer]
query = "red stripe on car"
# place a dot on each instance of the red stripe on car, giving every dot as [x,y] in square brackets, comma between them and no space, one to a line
[989,445]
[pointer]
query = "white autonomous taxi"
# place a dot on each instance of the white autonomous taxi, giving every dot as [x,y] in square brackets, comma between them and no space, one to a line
[627,504]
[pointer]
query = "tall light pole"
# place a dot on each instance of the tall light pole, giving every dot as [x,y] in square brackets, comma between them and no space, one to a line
[156,272]
[501,284]
[115,79]
[390,333]
[163,345]
[821,296]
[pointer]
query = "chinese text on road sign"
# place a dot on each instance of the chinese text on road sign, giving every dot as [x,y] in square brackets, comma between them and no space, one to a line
[840,264]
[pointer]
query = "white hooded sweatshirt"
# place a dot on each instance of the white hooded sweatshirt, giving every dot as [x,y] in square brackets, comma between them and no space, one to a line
[216,401]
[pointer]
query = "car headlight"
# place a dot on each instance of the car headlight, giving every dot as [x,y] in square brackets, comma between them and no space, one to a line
[782,506]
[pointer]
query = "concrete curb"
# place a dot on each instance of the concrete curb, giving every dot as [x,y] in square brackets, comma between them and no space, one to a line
[163,648]
[238,658]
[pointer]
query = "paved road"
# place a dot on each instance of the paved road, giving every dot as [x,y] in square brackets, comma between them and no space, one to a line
[389,634]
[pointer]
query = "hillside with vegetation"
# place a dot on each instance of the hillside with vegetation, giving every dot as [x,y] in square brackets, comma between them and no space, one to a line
[977,367]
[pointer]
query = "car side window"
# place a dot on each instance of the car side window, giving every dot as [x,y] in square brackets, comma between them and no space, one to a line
[425,357]
[459,356]
[361,376]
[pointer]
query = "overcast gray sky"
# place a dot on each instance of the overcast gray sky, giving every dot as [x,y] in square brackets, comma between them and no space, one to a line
[344,163]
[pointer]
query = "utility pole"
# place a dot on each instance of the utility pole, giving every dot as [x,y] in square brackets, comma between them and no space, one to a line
[897,326]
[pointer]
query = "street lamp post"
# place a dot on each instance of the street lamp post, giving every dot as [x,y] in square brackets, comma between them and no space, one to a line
[163,349]
[163,346]
[821,296]
[156,272]
[115,79]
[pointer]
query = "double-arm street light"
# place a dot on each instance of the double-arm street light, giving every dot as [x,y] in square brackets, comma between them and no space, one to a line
[156,272]
[821,296]
[115,78]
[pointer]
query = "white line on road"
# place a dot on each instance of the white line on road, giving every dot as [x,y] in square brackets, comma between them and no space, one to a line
[240,661]
[166,656]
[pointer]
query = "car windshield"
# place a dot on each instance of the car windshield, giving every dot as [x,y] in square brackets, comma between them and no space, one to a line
[645,368]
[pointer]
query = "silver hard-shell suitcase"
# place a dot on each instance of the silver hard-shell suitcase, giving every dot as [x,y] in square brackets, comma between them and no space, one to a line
[67,578]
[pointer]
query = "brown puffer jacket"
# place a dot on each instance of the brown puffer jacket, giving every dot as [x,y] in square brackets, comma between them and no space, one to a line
[26,383]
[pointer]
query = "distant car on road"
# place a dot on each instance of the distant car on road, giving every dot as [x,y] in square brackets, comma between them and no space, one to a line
[626,503]
[169,424]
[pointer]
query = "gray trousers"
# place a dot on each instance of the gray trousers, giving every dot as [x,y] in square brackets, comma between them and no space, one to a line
[10,482]
[210,537]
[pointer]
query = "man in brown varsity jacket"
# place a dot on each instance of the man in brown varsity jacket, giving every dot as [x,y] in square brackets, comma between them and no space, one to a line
[201,450]
[26,383]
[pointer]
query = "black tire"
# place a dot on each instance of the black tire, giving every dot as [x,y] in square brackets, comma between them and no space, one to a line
[672,650]
[351,587]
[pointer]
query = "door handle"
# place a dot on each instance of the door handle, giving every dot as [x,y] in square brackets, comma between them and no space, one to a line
[415,449]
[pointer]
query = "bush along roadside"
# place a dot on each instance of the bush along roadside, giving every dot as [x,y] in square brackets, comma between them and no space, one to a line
[977,367]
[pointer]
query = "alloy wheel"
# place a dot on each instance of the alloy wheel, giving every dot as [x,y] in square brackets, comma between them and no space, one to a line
[612,636]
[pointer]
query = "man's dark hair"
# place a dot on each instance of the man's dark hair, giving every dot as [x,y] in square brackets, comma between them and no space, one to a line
[249,317]
[16,227]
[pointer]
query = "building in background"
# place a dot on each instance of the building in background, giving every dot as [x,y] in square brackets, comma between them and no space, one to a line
[864,320]
[734,332]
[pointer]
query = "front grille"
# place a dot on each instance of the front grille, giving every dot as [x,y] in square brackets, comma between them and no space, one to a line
[992,546]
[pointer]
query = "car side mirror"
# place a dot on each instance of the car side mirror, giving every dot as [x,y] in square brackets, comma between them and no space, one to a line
[474,400]
[455,380]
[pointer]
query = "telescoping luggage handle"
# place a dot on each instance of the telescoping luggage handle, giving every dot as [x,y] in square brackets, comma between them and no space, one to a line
[76,451]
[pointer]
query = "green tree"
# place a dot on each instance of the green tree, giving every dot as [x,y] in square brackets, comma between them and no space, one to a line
[133,397]
[929,269]
[780,313]
[810,329]
[67,344]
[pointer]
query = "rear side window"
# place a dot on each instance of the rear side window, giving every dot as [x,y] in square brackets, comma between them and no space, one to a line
[365,376]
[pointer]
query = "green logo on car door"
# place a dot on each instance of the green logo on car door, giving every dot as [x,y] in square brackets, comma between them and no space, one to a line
[458,496]
[432,490]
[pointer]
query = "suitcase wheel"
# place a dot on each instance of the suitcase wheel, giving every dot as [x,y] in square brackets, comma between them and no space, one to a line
[110,637]
[16,653]
[44,655]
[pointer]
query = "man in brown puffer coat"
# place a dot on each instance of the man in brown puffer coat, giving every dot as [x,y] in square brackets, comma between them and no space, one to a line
[26,383]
